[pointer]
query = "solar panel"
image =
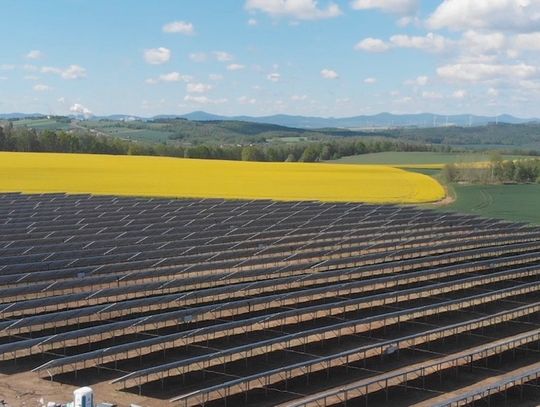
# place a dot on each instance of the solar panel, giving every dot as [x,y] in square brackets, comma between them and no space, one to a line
[82,267]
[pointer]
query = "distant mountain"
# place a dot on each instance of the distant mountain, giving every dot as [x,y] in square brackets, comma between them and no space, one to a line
[121,117]
[7,116]
[203,116]
[381,120]
[385,120]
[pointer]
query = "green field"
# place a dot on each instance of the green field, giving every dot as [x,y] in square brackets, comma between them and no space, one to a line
[512,202]
[41,124]
[138,134]
[420,158]
[520,202]
[288,139]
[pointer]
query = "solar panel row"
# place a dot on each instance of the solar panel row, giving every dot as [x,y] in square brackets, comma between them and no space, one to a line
[214,286]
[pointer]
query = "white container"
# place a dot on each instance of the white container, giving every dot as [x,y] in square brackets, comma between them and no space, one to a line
[83,397]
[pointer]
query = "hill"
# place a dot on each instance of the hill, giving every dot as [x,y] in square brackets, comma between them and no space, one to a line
[380,120]
[521,138]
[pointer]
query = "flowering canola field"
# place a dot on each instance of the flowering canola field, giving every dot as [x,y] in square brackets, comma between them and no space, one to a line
[176,177]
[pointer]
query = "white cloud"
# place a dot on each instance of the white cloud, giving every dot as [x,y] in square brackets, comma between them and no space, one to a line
[298,98]
[372,45]
[530,85]
[204,100]
[35,54]
[41,88]
[74,72]
[235,67]
[513,15]
[402,100]
[431,95]
[459,94]
[475,72]
[297,9]
[528,42]
[512,53]
[244,100]
[418,81]
[30,78]
[51,69]
[408,20]
[175,77]
[430,42]
[61,99]
[223,56]
[370,81]
[180,27]
[274,77]
[80,110]
[198,87]
[215,77]
[157,56]
[493,92]
[404,7]
[3,78]
[252,22]
[329,74]
[7,67]
[198,56]
[481,42]
[169,77]
[30,68]
[71,72]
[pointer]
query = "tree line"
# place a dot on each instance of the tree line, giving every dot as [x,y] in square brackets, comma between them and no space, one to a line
[496,171]
[80,141]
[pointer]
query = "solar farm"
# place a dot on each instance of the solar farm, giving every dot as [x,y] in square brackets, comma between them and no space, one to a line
[188,302]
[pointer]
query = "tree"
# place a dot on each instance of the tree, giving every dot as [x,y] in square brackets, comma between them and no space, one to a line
[49,141]
[274,154]
[290,158]
[508,169]
[496,161]
[252,153]
[27,140]
[360,147]
[2,138]
[197,152]
[311,154]
[326,152]
[68,143]
[450,173]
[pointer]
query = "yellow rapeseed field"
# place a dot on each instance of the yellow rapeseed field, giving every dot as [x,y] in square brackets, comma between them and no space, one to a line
[175,177]
[421,166]
[475,164]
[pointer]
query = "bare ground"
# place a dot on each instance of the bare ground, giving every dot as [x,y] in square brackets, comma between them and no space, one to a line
[29,390]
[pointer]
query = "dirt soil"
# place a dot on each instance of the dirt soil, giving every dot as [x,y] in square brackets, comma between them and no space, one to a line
[29,390]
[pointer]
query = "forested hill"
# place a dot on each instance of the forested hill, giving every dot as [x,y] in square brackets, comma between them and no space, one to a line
[502,134]
[183,132]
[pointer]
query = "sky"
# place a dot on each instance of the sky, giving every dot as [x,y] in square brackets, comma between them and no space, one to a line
[261,57]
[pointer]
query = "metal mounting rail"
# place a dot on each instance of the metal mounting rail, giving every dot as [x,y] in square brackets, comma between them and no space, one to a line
[485,388]
[326,362]
[358,388]
[233,308]
[409,373]
[139,348]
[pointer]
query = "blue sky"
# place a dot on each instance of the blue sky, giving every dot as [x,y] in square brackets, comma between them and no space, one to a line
[259,57]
